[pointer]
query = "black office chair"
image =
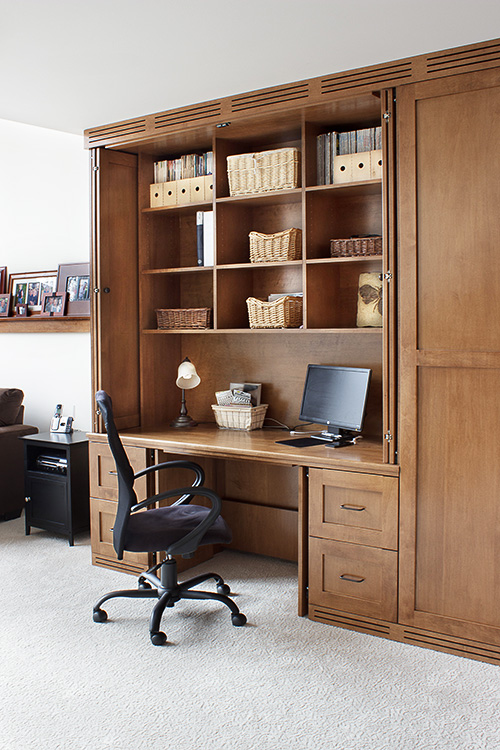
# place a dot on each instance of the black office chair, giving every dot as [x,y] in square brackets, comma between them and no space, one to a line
[178,529]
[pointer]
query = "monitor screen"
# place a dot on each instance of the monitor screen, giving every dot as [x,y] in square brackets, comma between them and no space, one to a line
[335,396]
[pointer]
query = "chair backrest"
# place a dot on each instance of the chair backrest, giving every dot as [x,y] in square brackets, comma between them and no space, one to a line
[126,494]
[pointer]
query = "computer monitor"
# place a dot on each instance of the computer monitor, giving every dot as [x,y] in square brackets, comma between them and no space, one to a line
[335,397]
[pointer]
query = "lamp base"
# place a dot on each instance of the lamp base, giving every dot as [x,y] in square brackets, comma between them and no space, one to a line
[183,421]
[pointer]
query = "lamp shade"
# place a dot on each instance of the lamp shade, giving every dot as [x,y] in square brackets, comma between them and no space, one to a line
[187,377]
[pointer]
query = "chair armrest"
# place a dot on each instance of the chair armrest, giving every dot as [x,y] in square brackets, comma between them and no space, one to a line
[185,499]
[190,542]
[18,430]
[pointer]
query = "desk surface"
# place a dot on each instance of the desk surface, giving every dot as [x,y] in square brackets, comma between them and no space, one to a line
[257,445]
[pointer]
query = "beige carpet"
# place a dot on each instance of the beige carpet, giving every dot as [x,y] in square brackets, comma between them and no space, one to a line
[280,682]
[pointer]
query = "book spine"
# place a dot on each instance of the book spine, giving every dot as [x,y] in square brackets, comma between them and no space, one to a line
[199,237]
[208,238]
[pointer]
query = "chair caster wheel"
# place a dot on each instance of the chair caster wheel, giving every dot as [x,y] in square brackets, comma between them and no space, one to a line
[223,588]
[100,615]
[143,585]
[158,638]
[238,619]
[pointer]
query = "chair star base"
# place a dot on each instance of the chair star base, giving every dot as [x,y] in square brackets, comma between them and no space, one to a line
[169,591]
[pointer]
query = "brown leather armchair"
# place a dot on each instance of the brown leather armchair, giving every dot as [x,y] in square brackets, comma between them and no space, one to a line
[12,452]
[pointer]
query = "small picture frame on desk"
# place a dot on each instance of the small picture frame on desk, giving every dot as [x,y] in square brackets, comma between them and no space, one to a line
[74,280]
[53,305]
[21,311]
[4,305]
[3,279]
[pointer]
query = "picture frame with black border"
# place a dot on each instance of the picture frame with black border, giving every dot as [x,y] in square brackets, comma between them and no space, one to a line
[53,304]
[21,311]
[74,280]
[29,287]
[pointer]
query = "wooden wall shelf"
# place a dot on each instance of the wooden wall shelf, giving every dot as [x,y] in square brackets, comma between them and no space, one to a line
[39,324]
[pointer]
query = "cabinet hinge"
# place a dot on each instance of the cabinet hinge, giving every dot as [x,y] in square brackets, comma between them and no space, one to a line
[388,276]
[96,290]
[388,436]
[387,116]
[223,124]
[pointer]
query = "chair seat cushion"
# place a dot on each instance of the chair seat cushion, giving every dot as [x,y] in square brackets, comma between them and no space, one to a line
[155,530]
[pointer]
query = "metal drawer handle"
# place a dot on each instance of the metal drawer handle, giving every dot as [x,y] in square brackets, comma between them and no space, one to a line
[353,507]
[113,473]
[352,579]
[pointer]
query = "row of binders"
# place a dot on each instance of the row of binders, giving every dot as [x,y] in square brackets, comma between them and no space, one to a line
[184,167]
[335,144]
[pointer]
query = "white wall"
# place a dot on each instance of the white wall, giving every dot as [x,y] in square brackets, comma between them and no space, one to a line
[44,221]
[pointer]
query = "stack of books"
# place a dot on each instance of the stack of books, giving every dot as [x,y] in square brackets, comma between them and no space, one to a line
[330,145]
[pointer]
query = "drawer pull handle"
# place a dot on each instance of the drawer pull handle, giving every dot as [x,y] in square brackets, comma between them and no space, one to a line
[353,507]
[351,579]
[113,473]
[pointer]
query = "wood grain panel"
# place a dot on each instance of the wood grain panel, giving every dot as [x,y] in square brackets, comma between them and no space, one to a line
[458,514]
[262,530]
[458,221]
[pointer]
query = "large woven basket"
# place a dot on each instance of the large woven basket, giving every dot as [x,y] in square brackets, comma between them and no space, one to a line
[285,245]
[240,417]
[191,317]
[356,246]
[263,171]
[285,312]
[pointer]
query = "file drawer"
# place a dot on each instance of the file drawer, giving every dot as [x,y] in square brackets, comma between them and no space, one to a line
[353,578]
[354,507]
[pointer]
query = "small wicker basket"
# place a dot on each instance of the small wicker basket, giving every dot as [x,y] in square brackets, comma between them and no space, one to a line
[240,417]
[263,171]
[193,317]
[356,246]
[285,245]
[285,312]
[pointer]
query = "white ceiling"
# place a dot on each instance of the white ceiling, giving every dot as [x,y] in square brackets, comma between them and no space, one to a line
[70,65]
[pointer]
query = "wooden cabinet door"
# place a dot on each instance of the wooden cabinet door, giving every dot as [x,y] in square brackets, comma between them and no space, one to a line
[449,225]
[115,336]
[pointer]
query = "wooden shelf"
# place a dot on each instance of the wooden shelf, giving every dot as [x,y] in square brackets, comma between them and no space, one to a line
[180,208]
[363,187]
[263,199]
[259,331]
[39,324]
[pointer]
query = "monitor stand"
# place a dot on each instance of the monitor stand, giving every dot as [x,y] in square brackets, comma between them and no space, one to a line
[337,437]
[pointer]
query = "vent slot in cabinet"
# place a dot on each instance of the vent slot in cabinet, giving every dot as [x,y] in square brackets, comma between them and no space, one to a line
[462,648]
[382,76]
[117,131]
[176,117]
[468,58]
[270,97]
[349,621]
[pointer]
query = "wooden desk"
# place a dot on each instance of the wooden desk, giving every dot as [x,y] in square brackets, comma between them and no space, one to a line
[264,485]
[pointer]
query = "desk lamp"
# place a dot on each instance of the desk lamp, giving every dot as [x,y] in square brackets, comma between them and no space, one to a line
[187,378]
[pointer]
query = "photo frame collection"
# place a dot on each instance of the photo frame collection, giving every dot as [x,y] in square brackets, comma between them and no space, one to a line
[61,293]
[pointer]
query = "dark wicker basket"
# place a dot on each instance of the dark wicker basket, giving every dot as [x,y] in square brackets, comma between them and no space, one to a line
[190,317]
[356,246]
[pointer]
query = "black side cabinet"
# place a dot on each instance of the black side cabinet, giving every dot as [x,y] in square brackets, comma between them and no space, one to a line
[56,478]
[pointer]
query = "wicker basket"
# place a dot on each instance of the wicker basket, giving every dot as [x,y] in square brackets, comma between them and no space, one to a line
[194,317]
[240,417]
[285,312]
[356,246]
[263,171]
[285,245]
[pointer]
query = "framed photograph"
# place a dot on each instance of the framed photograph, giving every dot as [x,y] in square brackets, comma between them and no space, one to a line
[3,279]
[53,304]
[28,288]
[21,311]
[4,305]
[74,279]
